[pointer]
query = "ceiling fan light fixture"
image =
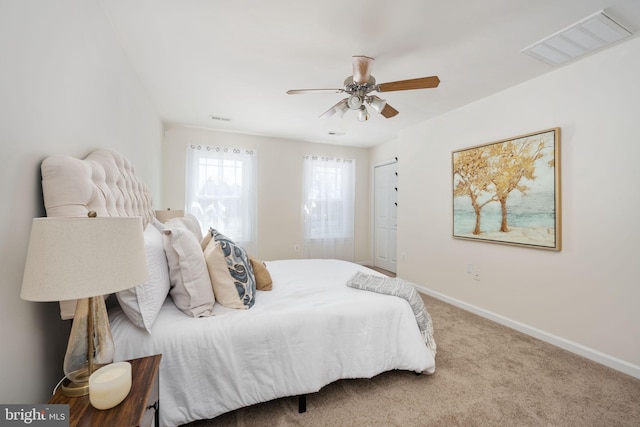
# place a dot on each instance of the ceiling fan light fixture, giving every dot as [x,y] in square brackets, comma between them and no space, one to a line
[354,102]
[342,108]
[376,103]
[363,114]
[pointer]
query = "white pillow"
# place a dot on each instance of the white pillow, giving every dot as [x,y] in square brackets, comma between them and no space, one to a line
[157,224]
[194,225]
[189,221]
[142,303]
[190,284]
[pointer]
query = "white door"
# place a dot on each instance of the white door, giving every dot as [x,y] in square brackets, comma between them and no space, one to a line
[385,184]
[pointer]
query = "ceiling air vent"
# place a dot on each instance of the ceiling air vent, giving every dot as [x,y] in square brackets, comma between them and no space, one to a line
[583,37]
[221,119]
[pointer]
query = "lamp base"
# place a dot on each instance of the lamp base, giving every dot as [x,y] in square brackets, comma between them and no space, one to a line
[90,346]
[71,389]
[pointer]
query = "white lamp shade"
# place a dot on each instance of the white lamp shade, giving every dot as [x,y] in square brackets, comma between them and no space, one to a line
[73,258]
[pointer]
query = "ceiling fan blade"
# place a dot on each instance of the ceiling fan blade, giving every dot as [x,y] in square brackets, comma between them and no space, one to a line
[300,91]
[388,111]
[361,68]
[340,106]
[419,83]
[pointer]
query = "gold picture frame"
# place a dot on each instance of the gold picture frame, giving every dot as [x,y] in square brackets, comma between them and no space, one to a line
[508,191]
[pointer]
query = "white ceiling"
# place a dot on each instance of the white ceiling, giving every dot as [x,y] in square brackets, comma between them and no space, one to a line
[237,58]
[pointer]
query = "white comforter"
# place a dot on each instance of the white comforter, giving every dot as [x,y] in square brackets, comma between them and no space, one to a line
[309,331]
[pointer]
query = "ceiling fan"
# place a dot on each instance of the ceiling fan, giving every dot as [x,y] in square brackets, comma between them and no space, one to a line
[361,84]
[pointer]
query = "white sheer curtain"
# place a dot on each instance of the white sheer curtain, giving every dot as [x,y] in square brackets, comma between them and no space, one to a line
[221,191]
[328,207]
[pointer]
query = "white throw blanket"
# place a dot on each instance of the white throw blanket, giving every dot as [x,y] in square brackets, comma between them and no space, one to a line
[403,289]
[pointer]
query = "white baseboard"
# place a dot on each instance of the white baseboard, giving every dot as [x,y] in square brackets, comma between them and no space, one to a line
[589,353]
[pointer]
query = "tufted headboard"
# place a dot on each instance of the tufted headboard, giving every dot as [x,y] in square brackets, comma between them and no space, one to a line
[104,182]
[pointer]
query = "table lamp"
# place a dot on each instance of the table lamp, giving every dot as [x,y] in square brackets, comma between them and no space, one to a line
[84,259]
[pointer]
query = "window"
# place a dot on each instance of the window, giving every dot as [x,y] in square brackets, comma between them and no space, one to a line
[328,207]
[221,191]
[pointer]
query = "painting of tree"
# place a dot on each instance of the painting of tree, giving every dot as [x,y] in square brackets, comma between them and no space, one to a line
[508,191]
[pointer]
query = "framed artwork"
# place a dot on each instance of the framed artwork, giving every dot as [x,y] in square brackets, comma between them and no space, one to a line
[509,191]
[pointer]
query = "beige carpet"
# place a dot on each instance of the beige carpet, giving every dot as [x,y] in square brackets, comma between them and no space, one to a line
[486,375]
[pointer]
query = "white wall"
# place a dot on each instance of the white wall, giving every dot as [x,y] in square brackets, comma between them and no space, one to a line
[279,185]
[66,88]
[586,297]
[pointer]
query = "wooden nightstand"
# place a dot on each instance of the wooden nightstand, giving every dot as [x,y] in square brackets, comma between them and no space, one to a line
[138,409]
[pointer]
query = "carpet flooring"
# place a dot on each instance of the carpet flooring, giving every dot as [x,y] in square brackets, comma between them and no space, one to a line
[486,375]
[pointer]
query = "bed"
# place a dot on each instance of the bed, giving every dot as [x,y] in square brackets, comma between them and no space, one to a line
[308,330]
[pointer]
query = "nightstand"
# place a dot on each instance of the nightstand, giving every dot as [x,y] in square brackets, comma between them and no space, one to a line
[138,409]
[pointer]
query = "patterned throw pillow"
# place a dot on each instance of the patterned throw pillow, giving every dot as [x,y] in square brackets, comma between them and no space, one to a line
[239,267]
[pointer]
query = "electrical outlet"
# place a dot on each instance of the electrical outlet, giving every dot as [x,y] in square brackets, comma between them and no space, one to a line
[296,248]
[476,275]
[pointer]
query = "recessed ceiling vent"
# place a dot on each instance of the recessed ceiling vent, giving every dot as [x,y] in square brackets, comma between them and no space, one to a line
[221,119]
[588,35]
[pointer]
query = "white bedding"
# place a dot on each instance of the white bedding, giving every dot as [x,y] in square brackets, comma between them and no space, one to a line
[309,331]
